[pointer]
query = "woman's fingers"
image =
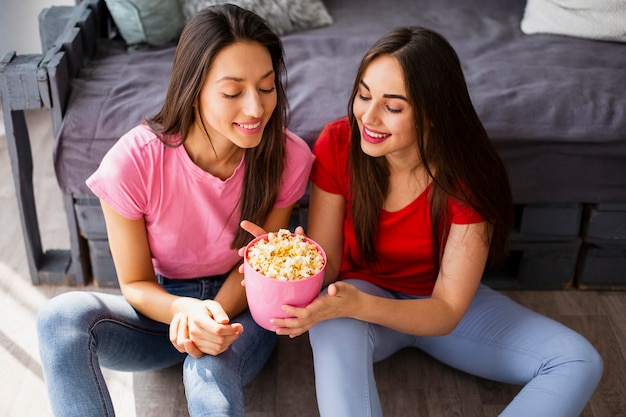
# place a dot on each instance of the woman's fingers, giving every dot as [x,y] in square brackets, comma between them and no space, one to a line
[192,349]
[252,228]
[178,331]
[216,311]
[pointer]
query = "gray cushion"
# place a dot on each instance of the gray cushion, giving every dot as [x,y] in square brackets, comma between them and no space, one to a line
[283,16]
[146,23]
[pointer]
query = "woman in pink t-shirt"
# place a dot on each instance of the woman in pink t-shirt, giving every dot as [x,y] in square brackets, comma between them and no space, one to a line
[174,191]
[410,201]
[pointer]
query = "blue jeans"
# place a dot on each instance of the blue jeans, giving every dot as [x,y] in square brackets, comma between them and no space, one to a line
[497,339]
[79,332]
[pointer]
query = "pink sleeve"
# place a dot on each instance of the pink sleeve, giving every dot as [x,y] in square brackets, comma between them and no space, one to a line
[299,160]
[119,181]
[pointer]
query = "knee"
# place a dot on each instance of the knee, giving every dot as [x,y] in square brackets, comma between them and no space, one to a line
[578,354]
[212,387]
[353,334]
[61,314]
[593,362]
[326,331]
[51,315]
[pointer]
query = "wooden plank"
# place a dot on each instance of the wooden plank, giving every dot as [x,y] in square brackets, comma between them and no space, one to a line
[57,86]
[52,22]
[79,264]
[295,386]
[18,81]
[18,143]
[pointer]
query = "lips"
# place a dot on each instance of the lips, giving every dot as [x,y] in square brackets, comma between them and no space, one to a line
[251,127]
[373,136]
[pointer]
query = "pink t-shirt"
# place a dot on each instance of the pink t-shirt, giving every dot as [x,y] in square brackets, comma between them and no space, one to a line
[191,216]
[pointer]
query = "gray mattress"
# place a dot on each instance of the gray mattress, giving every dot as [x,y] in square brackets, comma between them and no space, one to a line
[554,106]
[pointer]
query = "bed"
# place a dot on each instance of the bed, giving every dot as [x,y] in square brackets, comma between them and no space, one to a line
[553,104]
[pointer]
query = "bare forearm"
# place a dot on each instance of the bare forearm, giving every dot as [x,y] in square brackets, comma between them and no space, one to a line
[423,317]
[232,295]
[151,300]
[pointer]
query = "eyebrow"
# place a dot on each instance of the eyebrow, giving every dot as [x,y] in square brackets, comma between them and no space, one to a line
[398,96]
[237,79]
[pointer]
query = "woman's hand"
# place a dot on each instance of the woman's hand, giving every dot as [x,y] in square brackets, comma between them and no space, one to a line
[252,228]
[341,300]
[256,230]
[203,328]
[179,336]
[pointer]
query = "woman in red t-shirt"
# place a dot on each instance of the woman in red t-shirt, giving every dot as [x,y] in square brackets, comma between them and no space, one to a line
[410,201]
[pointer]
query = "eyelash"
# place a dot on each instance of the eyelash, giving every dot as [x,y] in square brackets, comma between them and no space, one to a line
[271,90]
[389,109]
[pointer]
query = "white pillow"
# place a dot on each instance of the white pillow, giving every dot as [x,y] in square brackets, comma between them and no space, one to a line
[593,19]
[283,16]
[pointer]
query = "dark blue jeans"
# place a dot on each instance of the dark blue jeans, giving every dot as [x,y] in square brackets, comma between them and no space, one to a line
[80,332]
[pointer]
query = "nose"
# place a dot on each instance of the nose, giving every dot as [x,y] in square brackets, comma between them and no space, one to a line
[253,105]
[370,113]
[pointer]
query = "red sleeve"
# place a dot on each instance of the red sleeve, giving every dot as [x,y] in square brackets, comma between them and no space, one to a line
[330,169]
[463,214]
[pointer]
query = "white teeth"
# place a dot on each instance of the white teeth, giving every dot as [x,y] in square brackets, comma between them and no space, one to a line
[376,135]
[252,126]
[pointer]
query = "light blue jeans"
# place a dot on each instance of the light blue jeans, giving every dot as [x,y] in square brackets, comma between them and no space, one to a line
[497,339]
[81,331]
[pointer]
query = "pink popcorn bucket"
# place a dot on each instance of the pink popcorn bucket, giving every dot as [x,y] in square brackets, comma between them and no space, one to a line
[267,295]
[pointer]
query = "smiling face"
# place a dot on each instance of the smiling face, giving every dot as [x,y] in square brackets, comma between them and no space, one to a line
[239,95]
[383,112]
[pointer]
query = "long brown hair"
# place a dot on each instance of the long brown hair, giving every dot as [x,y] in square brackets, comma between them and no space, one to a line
[458,155]
[206,34]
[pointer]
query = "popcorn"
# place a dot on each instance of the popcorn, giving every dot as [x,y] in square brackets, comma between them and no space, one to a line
[285,256]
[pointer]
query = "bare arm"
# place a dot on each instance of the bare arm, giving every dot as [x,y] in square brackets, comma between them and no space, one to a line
[461,271]
[196,326]
[325,226]
[128,240]
[232,294]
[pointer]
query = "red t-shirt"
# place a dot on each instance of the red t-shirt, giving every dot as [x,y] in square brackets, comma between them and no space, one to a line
[405,253]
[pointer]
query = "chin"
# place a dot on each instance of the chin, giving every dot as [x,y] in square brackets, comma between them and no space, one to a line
[248,142]
[371,150]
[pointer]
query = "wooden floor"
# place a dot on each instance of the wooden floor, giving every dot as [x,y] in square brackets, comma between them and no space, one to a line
[411,384]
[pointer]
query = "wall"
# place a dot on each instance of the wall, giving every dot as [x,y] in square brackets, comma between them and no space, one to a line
[19,28]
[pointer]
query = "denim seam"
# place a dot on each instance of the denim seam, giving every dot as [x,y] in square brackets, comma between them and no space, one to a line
[124,324]
[94,369]
[365,377]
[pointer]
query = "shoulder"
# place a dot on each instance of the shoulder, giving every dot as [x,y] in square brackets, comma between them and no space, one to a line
[295,144]
[331,170]
[334,138]
[298,155]
[140,136]
[462,212]
[138,153]
[140,144]
[339,128]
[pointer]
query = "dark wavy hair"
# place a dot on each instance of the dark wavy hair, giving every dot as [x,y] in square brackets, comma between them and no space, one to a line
[205,35]
[458,155]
